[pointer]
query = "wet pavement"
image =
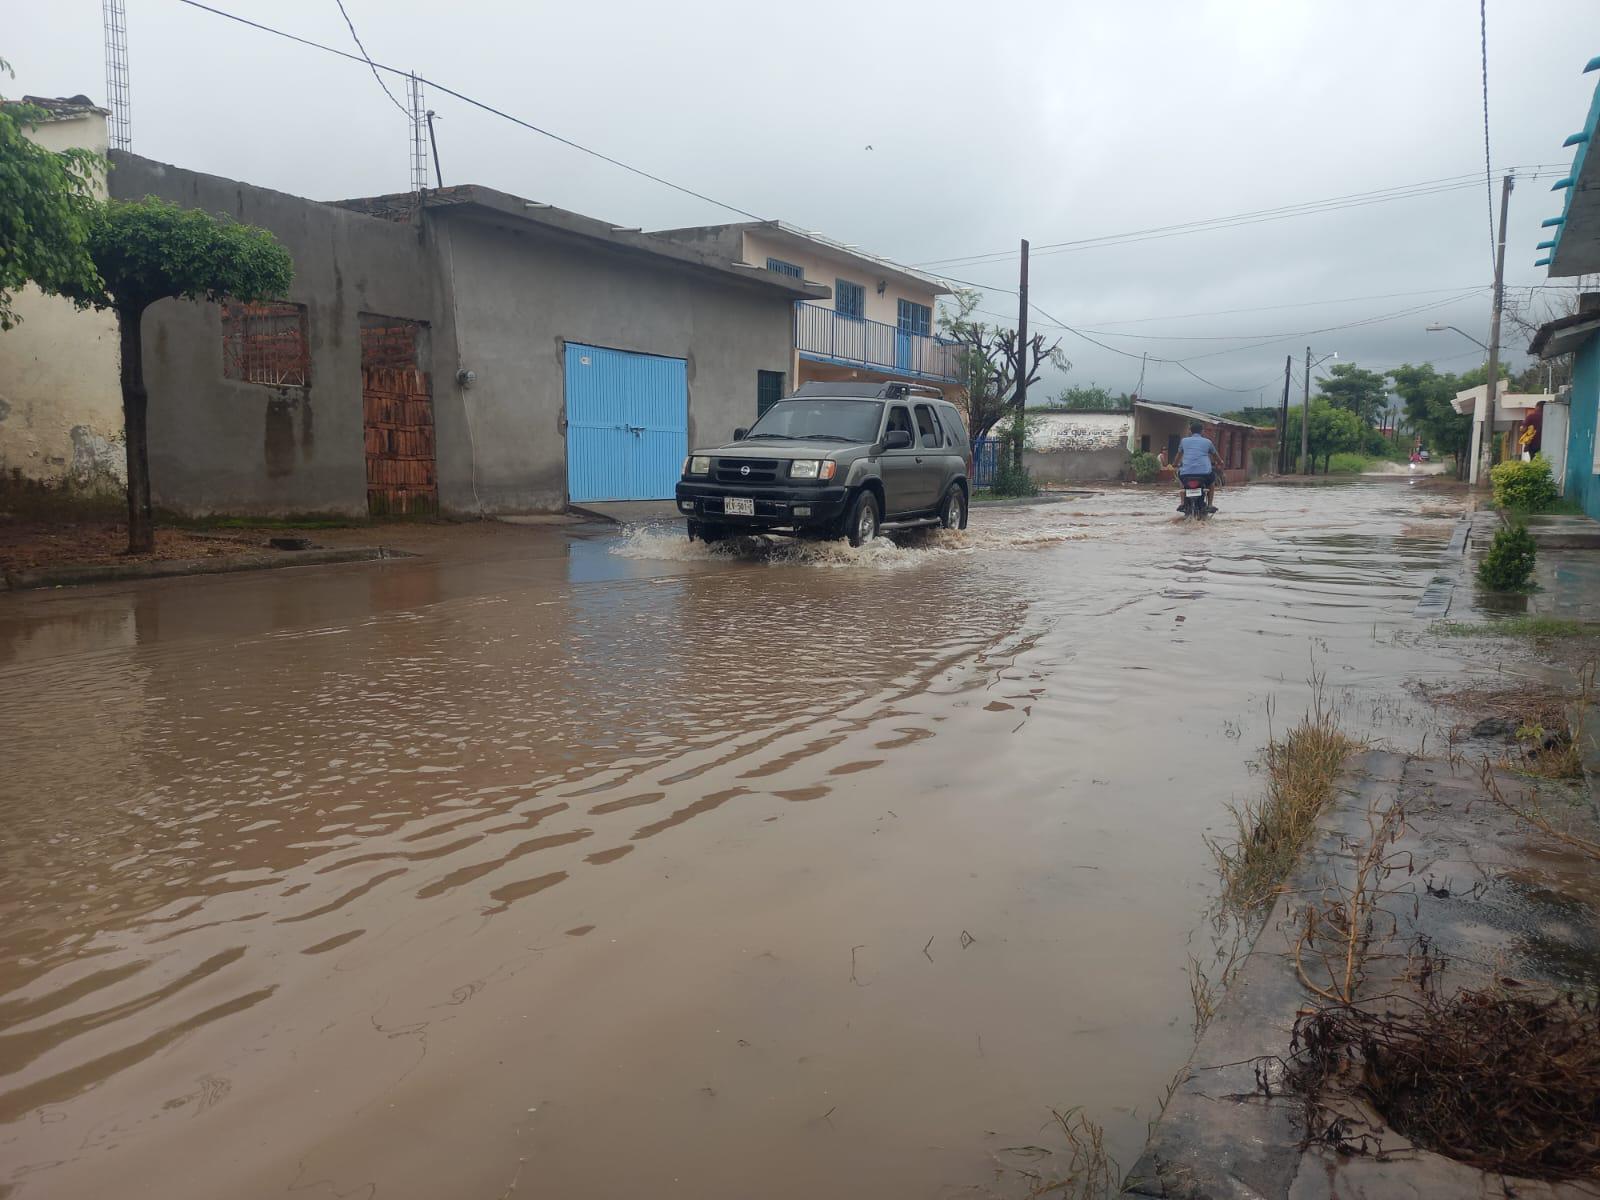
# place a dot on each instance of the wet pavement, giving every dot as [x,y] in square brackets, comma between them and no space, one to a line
[585,863]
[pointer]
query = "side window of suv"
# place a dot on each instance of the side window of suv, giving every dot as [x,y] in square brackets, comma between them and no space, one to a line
[899,418]
[928,427]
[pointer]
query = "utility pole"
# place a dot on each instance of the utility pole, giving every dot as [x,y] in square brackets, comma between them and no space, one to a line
[1486,433]
[1022,362]
[1283,419]
[433,144]
[1305,421]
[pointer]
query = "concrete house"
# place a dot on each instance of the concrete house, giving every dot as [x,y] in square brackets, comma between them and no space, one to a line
[462,351]
[877,325]
[1078,445]
[1158,428]
[61,412]
[1572,248]
[1511,413]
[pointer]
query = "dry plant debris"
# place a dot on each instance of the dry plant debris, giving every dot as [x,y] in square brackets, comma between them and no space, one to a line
[1506,1079]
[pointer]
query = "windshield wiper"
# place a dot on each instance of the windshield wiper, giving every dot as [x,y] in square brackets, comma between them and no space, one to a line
[829,437]
[777,437]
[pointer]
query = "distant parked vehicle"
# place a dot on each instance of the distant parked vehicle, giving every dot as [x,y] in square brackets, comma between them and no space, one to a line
[834,460]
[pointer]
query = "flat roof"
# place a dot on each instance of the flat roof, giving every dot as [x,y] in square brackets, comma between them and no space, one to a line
[489,202]
[1564,334]
[785,233]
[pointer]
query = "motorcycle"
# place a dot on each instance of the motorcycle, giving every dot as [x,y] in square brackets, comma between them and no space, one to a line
[1192,501]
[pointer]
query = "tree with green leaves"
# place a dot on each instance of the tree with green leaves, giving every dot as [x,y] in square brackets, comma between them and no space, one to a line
[1355,390]
[46,202]
[1333,431]
[1428,397]
[1080,399]
[152,250]
[989,361]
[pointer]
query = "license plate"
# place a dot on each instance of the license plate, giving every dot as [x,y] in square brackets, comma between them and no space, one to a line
[735,507]
[1193,493]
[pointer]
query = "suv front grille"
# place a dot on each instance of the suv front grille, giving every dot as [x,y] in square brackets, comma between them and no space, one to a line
[747,470]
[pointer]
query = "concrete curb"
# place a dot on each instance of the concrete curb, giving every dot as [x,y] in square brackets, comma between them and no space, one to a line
[50,577]
[1219,1137]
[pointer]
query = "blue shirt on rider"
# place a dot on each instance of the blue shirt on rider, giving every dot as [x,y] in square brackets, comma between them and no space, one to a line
[1194,456]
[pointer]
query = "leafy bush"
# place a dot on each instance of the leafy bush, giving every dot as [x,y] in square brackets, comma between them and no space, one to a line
[1145,466]
[1261,459]
[1526,486]
[1508,567]
[1010,481]
[1347,463]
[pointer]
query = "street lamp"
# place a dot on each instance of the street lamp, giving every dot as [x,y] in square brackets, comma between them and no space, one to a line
[1438,328]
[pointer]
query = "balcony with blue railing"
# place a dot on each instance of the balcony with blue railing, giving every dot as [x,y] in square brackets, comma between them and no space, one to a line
[822,335]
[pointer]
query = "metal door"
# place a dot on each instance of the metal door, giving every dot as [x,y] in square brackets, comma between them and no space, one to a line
[627,424]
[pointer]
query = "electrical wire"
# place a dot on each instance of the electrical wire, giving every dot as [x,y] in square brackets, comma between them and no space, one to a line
[479,104]
[1488,171]
[356,37]
[1451,183]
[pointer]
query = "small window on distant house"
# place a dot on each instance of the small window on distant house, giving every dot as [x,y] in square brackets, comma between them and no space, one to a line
[785,268]
[769,390]
[915,318]
[849,299]
[265,343]
[1144,443]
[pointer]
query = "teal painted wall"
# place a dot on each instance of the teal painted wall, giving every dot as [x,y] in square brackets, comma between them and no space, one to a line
[1583,485]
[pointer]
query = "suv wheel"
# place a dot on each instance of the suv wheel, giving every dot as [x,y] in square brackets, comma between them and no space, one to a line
[861,526]
[953,512]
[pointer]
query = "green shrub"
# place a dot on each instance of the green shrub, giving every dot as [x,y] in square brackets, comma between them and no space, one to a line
[1261,459]
[1011,481]
[1145,466]
[1508,567]
[1525,486]
[1346,463]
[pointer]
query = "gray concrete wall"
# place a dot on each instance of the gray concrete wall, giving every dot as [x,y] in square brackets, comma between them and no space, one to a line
[518,296]
[1077,466]
[219,445]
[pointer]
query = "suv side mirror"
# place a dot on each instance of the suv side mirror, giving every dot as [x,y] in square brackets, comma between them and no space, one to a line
[897,439]
[740,433]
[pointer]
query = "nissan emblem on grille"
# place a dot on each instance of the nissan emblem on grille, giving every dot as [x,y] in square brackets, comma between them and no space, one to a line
[744,470]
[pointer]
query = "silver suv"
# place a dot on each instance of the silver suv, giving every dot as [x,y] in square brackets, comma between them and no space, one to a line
[834,460]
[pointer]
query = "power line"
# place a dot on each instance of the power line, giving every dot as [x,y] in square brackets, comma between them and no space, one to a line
[1488,171]
[1398,191]
[356,37]
[479,104]
[1428,187]
[1224,312]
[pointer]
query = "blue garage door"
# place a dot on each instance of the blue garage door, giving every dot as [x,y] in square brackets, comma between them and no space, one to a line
[627,424]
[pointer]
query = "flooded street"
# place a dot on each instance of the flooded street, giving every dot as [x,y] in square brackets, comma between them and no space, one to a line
[573,863]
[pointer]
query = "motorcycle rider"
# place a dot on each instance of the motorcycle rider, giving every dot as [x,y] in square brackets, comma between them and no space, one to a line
[1198,459]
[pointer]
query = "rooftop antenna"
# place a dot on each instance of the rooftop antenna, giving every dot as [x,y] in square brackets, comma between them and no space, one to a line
[419,131]
[120,125]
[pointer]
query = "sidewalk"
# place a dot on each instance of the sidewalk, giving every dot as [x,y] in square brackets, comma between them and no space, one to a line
[1486,898]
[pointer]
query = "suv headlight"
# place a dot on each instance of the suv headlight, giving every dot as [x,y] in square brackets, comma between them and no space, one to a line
[811,468]
[697,464]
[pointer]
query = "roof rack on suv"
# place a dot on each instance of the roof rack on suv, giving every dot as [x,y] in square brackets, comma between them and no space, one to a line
[893,390]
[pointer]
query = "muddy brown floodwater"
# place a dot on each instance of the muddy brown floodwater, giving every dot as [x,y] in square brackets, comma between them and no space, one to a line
[584,865]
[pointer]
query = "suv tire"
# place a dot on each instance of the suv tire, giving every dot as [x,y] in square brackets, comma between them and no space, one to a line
[861,526]
[953,509]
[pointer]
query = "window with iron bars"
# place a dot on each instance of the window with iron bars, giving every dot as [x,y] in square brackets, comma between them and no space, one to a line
[265,343]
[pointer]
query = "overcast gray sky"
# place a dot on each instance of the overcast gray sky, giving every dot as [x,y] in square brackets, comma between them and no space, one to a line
[1053,120]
